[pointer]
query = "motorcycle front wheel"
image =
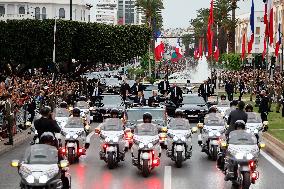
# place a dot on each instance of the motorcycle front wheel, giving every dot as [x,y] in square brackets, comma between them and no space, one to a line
[214,153]
[179,160]
[71,155]
[111,160]
[246,180]
[145,168]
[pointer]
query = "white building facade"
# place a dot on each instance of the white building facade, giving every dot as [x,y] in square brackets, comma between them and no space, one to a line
[106,11]
[129,14]
[45,9]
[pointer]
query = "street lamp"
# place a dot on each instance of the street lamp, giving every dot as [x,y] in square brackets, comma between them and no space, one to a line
[71,9]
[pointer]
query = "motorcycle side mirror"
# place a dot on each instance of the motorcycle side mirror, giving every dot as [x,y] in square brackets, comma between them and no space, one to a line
[261,145]
[15,163]
[63,163]
[194,129]
[224,144]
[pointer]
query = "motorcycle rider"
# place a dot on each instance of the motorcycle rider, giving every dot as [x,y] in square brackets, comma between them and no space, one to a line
[212,110]
[114,113]
[249,108]
[238,114]
[46,123]
[179,113]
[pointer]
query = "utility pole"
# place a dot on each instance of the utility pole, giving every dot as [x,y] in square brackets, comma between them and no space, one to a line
[71,4]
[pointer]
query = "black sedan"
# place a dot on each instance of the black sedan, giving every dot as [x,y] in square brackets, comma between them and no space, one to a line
[194,107]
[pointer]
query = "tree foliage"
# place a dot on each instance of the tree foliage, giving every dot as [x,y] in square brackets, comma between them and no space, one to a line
[231,61]
[30,42]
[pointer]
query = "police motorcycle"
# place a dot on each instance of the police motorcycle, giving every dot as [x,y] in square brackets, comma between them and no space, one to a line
[223,105]
[179,140]
[211,133]
[85,109]
[146,151]
[112,141]
[41,168]
[74,139]
[241,154]
[255,125]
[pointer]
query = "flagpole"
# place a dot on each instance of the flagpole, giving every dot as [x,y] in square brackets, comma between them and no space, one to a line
[54,50]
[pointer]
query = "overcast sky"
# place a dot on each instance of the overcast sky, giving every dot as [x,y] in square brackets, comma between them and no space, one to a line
[177,13]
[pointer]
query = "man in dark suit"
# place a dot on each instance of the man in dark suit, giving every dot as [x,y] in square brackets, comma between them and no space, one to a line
[137,87]
[229,88]
[164,86]
[263,107]
[154,99]
[96,93]
[124,90]
[241,89]
[139,99]
[204,90]
[9,117]
[176,94]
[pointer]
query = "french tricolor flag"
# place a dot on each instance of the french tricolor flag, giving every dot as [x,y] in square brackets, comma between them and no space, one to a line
[278,43]
[159,46]
[251,40]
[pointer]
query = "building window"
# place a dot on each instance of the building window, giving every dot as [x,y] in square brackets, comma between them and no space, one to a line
[257,30]
[37,13]
[22,10]
[2,10]
[43,13]
[61,13]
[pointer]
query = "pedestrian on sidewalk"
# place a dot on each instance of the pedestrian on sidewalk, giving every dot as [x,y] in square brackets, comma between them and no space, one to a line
[9,117]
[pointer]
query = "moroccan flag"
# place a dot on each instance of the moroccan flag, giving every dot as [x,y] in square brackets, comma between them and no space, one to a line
[196,55]
[278,43]
[217,52]
[200,48]
[209,31]
[251,41]
[244,46]
[264,49]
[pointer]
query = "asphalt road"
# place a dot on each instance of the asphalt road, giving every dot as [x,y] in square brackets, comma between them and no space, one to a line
[197,173]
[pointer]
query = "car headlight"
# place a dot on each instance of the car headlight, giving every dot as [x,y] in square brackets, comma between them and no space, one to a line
[141,145]
[150,145]
[175,138]
[183,139]
[30,179]
[249,156]
[107,139]
[239,155]
[67,136]
[43,179]
[75,136]
[115,139]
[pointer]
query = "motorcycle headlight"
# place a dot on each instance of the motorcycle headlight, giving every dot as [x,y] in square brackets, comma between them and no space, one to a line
[255,131]
[141,145]
[115,139]
[175,138]
[107,139]
[30,179]
[67,136]
[239,155]
[43,179]
[150,145]
[183,139]
[249,156]
[75,136]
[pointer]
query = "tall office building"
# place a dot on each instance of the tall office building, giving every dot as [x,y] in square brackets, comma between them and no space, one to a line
[106,11]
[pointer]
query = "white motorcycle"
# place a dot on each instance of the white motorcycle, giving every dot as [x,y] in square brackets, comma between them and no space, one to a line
[254,125]
[146,150]
[40,168]
[75,141]
[113,144]
[179,141]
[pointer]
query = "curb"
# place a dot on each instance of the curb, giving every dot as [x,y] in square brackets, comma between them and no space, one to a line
[274,147]
[19,139]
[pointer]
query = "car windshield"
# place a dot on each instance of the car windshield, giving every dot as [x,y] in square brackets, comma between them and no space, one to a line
[61,112]
[112,124]
[193,100]
[110,81]
[214,119]
[151,87]
[112,100]
[241,137]
[74,122]
[146,129]
[137,114]
[253,117]
[82,105]
[179,124]
[41,154]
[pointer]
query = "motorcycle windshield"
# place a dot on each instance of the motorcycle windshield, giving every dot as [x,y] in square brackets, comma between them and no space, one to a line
[41,154]
[61,112]
[137,114]
[241,137]
[74,122]
[82,105]
[224,103]
[253,117]
[214,119]
[179,124]
[146,129]
[112,124]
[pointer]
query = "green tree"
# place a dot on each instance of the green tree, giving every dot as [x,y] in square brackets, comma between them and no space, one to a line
[188,39]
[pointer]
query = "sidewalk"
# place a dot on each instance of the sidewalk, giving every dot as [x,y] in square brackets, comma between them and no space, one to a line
[19,138]
[274,147]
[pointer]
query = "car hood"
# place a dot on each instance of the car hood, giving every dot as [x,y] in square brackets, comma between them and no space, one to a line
[193,107]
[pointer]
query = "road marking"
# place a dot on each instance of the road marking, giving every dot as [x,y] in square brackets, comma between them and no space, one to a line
[272,161]
[168,177]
